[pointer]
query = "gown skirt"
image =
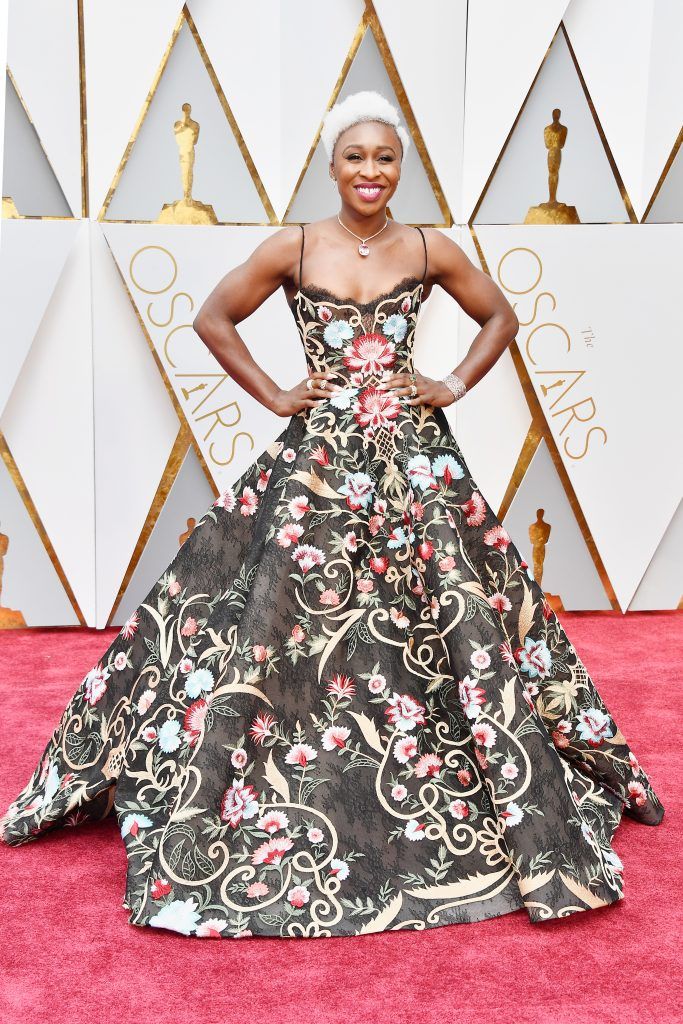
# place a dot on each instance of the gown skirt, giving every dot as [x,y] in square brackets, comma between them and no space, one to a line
[346,706]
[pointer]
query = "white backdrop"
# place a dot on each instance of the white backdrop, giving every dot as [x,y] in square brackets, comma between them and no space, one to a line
[107,451]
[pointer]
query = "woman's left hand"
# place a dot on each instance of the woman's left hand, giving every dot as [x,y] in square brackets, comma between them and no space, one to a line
[429,392]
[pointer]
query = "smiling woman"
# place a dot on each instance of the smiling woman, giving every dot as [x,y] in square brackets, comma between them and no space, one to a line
[346,706]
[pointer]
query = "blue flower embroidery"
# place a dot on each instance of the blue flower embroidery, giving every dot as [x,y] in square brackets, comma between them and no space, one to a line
[446,462]
[396,326]
[337,332]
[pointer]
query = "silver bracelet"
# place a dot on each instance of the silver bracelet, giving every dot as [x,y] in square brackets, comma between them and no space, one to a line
[454,384]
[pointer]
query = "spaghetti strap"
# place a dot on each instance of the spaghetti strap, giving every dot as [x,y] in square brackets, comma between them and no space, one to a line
[301,257]
[424,242]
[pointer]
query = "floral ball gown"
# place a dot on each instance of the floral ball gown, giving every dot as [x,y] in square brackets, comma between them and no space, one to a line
[346,706]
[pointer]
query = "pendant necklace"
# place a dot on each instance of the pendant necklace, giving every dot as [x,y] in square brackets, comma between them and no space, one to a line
[363,248]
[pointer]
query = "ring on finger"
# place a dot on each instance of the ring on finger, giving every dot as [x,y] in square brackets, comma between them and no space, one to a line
[322,385]
[309,384]
[413,390]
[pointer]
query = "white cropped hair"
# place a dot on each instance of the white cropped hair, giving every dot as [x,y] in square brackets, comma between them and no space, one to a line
[361,106]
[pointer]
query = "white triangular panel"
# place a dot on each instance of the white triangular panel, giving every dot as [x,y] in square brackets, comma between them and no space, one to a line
[414,201]
[586,180]
[170,271]
[151,177]
[662,584]
[48,423]
[125,42]
[315,40]
[189,498]
[493,419]
[32,257]
[50,85]
[231,36]
[506,44]
[31,587]
[606,366]
[135,424]
[629,53]
[437,40]
[28,178]
[667,206]
[568,570]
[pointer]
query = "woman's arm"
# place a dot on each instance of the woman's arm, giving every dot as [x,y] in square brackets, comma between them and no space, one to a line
[483,300]
[235,297]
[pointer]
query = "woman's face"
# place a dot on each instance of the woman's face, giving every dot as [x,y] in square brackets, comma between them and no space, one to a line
[367,165]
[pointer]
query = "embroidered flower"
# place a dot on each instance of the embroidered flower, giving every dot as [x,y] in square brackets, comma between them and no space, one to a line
[448,468]
[594,726]
[308,556]
[95,684]
[534,658]
[474,509]
[239,802]
[497,537]
[199,680]
[343,399]
[459,809]
[169,735]
[420,473]
[404,712]
[300,754]
[472,697]
[337,332]
[396,327]
[370,353]
[358,489]
[374,409]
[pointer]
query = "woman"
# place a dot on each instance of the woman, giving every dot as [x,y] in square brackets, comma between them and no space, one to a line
[346,706]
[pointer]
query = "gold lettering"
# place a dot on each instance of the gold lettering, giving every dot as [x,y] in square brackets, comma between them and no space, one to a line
[542,327]
[525,323]
[153,291]
[216,413]
[180,327]
[165,323]
[573,414]
[227,462]
[523,291]
[593,430]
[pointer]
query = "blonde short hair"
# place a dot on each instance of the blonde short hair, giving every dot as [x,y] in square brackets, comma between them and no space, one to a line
[361,106]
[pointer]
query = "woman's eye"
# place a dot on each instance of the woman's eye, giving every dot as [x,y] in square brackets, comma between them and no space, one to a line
[352,156]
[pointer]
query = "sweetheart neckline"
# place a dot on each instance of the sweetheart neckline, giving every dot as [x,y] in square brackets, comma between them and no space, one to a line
[348,300]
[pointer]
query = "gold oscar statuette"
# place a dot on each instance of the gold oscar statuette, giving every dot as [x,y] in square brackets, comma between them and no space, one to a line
[9,619]
[186,210]
[539,534]
[191,523]
[552,212]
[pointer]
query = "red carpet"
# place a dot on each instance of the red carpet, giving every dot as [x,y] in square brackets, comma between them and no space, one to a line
[70,955]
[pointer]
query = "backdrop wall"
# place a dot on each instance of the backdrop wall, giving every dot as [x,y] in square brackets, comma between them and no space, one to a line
[117,427]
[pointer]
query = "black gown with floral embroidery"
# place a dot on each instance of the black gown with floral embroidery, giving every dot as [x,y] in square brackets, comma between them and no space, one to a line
[346,706]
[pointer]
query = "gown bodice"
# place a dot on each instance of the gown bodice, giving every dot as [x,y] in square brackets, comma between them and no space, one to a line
[360,341]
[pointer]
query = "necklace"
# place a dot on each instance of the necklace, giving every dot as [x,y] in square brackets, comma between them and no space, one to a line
[363,249]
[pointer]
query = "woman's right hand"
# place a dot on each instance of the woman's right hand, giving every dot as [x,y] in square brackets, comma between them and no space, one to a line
[287,403]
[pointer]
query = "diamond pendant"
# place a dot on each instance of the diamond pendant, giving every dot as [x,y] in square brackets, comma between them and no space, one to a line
[364,249]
